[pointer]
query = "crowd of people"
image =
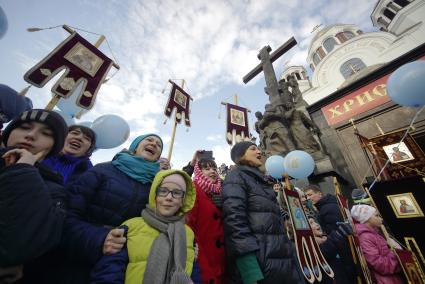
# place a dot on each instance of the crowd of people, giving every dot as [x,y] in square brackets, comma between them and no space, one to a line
[136,220]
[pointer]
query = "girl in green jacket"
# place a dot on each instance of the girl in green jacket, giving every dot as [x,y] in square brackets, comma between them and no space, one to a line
[159,245]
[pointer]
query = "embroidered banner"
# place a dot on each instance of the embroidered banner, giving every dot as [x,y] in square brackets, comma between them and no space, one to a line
[410,265]
[310,258]
[237,120]
[82,62]
[180,100]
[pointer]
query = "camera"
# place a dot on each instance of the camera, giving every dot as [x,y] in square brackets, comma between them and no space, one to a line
[205,155]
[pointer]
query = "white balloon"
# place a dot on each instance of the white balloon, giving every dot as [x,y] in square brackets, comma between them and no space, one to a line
[111,131]
[85,123]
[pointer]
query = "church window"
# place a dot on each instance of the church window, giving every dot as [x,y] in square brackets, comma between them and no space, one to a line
[298,76]
[351,67]
[341,37]
[348,34]
[402,3]
[321,52]
[389,14]
[329,44]
[316,59]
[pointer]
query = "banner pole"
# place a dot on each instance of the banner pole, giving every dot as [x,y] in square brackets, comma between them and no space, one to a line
[173,133]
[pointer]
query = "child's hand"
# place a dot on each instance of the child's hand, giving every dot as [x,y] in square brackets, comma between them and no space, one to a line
[114,241]
[21,156]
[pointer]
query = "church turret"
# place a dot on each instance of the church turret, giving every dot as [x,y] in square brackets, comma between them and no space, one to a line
[300,74]
[398,16]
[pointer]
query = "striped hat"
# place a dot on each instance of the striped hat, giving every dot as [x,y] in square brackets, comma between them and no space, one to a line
[52,119]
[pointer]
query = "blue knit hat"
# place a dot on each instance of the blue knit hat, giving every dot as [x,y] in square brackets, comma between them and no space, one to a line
[135,143]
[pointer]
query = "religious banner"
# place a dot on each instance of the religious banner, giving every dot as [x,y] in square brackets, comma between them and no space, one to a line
[362,270]
[410,265]
[180,100]
[237,121]
[81,61]
[406,158]
[401,203]
[378,161]
[310,258]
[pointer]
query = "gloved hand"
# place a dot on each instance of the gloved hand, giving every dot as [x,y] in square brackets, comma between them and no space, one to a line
[344,229]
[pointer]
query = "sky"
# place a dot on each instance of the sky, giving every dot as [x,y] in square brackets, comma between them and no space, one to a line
[209,44]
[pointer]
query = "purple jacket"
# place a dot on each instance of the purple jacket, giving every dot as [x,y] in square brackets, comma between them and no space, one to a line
[382,263]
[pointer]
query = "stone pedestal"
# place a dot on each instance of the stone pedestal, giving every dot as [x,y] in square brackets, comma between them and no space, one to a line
[323,175]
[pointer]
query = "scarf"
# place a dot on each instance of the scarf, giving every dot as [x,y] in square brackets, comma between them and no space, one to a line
[66,164]
[167,256]
[136,167]
[204,182]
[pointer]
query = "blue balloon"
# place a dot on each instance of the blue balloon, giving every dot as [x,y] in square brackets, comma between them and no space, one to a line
[69,105]
[3,23]
[111,131]
[274,166]
[299,164]
[407,84]
[68,119]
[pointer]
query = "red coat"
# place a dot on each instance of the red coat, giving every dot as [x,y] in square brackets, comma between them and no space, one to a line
[206,222]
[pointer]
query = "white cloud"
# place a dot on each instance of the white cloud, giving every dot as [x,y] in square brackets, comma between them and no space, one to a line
[211,44]
[222,154]
[214,137]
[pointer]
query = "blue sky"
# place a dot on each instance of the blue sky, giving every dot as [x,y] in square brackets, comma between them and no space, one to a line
[211,44]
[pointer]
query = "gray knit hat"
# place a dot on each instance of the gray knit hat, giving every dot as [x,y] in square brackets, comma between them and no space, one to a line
[52,119]
[239,150]
[358,193]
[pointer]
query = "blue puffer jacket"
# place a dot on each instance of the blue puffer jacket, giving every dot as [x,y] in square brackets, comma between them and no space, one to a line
[102,198]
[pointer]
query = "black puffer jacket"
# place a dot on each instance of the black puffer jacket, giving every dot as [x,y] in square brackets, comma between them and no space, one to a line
[32,212]
[329,215]
[253,223]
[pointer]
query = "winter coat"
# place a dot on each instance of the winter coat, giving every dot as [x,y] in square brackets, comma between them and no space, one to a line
[32,212]
[253,224]
[382,262]
[79,165]
[102,198]
[128,266]
[330,249]
[329,215]
[205,219]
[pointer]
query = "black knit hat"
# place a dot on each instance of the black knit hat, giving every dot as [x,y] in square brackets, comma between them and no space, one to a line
[239,150]
[52,119]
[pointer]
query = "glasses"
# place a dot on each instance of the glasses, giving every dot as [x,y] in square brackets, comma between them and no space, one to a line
[175,193]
